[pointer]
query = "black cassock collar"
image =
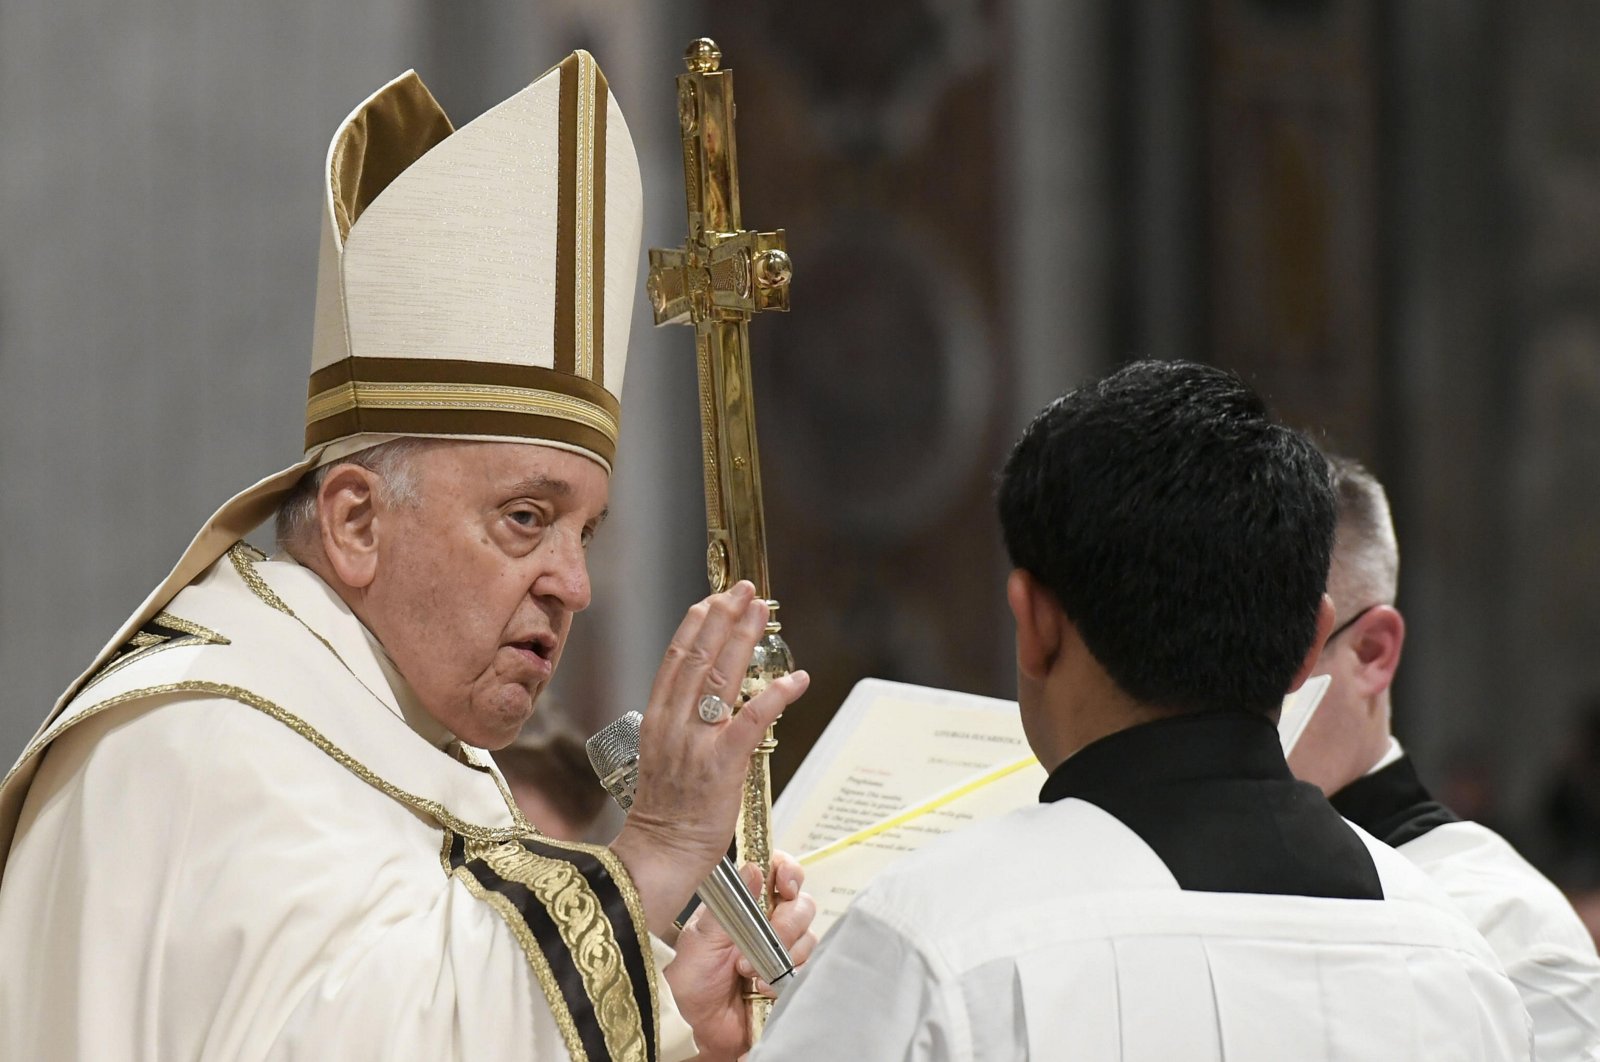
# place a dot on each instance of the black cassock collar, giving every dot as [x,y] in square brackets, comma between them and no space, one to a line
[1392,804]
[1211,794]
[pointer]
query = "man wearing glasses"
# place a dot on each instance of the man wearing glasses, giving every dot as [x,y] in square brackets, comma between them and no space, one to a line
[1348,751]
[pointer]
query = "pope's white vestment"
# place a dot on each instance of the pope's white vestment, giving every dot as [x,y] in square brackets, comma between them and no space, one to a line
[236,847]
[1092,928]
[1546,951]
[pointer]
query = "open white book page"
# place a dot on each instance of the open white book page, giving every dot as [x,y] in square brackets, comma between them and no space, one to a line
[835,873]
[891,745]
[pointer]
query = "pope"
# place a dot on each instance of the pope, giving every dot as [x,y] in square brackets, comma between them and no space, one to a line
[265,823]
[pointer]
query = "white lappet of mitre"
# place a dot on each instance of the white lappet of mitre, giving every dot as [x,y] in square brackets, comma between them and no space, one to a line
[473,283]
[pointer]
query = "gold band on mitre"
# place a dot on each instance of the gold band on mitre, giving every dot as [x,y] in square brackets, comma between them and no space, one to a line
[438,397]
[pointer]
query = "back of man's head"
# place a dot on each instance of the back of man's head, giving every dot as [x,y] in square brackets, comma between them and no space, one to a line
[1185,533]
[1366,566]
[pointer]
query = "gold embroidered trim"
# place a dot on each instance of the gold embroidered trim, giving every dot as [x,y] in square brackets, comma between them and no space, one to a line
[635,904]
[189,627]
[470,758]
[245,564]
[240,555]
[147,643]
[619,876]
[530,947]
[432,808]
[587,932]
[367,395]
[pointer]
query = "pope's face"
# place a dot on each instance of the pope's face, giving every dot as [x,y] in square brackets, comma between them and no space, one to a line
[478,580]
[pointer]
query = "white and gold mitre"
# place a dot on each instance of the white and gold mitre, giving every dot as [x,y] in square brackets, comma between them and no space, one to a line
[477,283]
[474,283]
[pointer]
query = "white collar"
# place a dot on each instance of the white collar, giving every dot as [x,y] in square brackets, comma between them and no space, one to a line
[1390,755]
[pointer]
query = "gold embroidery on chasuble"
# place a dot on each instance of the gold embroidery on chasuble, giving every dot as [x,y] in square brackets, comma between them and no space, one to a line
[163,631]
[244,557]
[588,934]
[466,755]
[577,918]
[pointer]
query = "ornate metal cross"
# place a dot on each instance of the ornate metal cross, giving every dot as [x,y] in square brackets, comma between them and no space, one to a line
[721,277]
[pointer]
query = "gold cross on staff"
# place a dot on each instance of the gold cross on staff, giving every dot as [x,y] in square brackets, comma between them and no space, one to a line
[721,277]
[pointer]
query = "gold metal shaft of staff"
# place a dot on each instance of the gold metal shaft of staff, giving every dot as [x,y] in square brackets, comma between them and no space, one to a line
[722,276]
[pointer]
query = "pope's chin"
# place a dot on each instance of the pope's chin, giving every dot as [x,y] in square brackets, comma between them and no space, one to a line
[496,717]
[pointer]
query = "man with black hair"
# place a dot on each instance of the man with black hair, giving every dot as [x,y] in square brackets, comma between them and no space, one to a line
[1347,750]
[1176,894]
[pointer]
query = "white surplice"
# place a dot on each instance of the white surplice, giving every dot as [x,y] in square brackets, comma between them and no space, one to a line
[1538,937]
[1055,932]
[236,848]
[1533,929]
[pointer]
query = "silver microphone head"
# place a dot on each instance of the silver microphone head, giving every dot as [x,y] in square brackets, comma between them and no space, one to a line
[614,755]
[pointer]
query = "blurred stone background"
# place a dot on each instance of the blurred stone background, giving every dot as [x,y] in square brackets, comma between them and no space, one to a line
[1386,215]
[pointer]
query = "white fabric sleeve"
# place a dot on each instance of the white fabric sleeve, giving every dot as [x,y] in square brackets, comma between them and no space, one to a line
[869,991]
[1561,990]
[1532,928]
[677,1039]
[451,984]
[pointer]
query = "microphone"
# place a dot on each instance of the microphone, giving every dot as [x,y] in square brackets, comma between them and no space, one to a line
[614,755]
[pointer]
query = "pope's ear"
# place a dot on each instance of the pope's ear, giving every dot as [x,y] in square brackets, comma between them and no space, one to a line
[1039,620]
[347,524]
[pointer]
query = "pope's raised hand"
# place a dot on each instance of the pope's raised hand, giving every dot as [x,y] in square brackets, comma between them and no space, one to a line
[691,773]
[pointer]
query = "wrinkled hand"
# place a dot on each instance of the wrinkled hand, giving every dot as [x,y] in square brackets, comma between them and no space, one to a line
[691,773]
[708,975]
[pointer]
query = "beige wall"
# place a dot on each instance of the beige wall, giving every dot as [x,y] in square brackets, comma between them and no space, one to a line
[158,204]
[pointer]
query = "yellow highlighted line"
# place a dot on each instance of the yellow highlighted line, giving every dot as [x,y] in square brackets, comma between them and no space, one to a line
[917,811]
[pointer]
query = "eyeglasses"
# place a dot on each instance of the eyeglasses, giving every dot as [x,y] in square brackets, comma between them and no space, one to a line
[1341,628]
